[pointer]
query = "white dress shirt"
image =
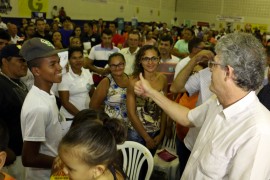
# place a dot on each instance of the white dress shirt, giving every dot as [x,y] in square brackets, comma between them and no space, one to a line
[234,143]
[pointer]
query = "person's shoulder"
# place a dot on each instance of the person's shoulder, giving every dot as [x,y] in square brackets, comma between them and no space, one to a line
[174,59]
[104,83]
[179,40]
[86,71]
[98,46]
[133,79]
[115,49]
[161,76]
[3,80]
[206,71]
[33,101]
[124,50]
[65,77]
[265,91]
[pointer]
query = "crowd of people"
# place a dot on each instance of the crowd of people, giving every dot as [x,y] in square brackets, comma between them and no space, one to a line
[67,114]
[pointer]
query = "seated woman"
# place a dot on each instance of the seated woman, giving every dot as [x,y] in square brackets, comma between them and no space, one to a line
[77,32]
[75,88]
[112,89]
[88,150]
[57,40]
[147,120]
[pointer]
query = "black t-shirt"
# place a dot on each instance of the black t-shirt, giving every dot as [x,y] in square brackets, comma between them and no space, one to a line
[47,36]
[94,39]
[11,101]
[264,96]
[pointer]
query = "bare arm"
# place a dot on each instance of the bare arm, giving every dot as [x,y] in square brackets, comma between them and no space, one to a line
[177,112]
[32,158]
[92,90]
[64,96]
[178,85]
[100,94]
[163,121]
[89,65]
[178,54]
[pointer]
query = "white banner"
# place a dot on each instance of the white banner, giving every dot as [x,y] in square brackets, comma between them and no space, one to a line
[230,18]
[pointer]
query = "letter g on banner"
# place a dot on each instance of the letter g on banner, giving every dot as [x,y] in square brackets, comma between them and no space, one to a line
[35,5]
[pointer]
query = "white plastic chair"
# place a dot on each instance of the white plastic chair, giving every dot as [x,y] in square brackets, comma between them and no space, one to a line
[170,168]
[134,155]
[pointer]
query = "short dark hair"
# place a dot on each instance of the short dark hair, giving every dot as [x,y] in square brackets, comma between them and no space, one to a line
[4,35]
[190,30]
[4,136]
[34,63]
[89,23]
[107,32]
[39,19]
[115,55]
[135,32]
[115,23]
[167,38]
[28,26]
[194,42]
[73,49]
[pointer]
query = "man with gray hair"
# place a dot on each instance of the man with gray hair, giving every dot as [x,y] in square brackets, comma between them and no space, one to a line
[235,127]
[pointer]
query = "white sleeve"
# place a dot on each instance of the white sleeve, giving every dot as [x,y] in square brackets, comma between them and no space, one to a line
[64,84]
[198,115]
[192,85]
[92,54]
[36,122]
[180,65]
[90,77]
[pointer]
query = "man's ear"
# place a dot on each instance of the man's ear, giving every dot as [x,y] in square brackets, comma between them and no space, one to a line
[3,156]
[98,171]
[4,61]
[229,72]
[35,71]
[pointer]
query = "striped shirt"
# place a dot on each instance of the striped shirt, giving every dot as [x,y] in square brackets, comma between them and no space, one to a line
[100,55]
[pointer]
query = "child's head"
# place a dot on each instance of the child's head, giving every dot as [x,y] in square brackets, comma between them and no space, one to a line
[91,115]
[4,138]
[90,147]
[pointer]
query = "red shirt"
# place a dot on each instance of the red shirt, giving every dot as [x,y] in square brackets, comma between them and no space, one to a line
[117,39]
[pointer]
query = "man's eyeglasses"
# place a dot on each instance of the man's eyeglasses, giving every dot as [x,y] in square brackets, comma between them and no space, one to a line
[114,66]
[148,59]
[212,63]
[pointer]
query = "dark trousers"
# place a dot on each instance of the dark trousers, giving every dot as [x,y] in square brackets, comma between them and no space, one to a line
[183,154]
[134,136]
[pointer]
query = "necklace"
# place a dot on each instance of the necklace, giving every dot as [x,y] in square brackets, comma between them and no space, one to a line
[23,87]
[153,77]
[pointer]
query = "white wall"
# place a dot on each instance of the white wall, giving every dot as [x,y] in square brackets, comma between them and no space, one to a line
[144,10]
[253,11]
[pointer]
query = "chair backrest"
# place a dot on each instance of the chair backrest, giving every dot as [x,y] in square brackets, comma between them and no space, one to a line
[134,155]
[170,143]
